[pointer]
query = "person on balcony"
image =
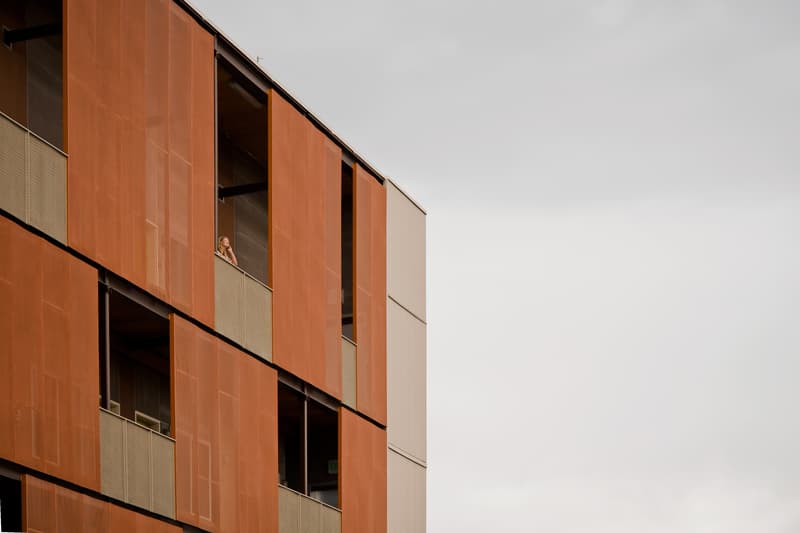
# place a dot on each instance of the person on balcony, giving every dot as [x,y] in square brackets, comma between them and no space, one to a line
[225,249]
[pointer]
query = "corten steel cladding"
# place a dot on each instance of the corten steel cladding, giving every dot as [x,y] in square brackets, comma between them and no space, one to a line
[226,432]
[49,375]
[305,201]
[362,474]
[370,294]
[140,138]
[49,508]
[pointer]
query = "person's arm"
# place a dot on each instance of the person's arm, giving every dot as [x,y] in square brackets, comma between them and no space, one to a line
[232,256]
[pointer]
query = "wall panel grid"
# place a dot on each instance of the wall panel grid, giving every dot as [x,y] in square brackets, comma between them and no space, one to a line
[405,249]
[298,513]
[33,178]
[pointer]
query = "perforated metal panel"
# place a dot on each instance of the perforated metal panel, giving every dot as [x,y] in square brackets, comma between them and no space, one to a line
[348,373]
[288,511]
[47,189]
[13,142]
[228,300]
[112,455]
[300,514]
[257,318]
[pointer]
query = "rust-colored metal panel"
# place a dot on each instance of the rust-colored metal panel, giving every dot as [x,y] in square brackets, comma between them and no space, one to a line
[140,114]
[50,508]
[362,474]
[49,354]
[305,205]
[226,434]
[370,294]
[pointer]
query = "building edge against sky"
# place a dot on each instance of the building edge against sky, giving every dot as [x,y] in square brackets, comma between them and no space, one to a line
[149,381]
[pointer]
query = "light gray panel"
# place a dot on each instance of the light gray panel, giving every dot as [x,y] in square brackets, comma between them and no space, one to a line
[330,520]
[228,291]
[163,475]
[257,318]
[288,511]
[406,495]
[348,373]
[406,381]
[139,465]
[47,196]
[309,516]
[405,249]
[112,455]
[13,140]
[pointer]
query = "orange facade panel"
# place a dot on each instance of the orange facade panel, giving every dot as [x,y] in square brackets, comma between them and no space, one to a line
[226,431]
[140,134]
[49,370]
[49,508]
[305,207]
[370,294]
[362,475]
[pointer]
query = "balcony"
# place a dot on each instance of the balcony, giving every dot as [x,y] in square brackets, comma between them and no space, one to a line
[298,513]
[137,464]
[33,178]
[243,308]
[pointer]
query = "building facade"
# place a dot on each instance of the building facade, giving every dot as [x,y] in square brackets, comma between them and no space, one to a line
[212,309]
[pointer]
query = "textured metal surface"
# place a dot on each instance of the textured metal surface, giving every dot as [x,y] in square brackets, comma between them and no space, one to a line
[47,189]
[140,134]
[362,471]
[348,373]
[405,251]
[163,475]
[138,466]
[226,434]
[406,385]
[406,495]
[228,304]
[112,455]
[13,157]
[48,358]
[370,293]
[305,209]
[300,514]
[49,508]
[257,318]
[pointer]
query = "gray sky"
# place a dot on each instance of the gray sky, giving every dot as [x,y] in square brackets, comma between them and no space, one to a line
[614,214]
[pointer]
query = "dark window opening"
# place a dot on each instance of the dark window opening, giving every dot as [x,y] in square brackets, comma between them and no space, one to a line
[347,250]
[242,214]
[10,504]
[32,65]
[134,361]
[308,446]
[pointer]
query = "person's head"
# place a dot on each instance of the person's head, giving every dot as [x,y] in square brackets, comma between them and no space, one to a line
[223,243]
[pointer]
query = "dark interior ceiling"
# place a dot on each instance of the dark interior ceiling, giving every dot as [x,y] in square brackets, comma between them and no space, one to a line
[242,113]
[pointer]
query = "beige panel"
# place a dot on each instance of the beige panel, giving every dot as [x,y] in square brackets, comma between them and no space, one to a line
[139,467]
[309,516]
[257,318]
[163,475]
[112,455]
[288,511]
[228,290]
[405,249]
[330,520]
[348,373]
[406,381]
[47,192]
[13,141]
[406,495]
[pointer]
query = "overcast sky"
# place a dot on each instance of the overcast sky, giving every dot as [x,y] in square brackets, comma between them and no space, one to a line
[613,196]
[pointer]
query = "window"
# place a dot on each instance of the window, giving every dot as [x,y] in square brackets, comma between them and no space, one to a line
[308,445]
[134,360]
[347,250]
[10,503]
[242,205]
[31,63]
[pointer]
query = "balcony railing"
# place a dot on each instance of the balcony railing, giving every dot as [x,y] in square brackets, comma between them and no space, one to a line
[298,513]
[243,308]
[137,464]
[33,179]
